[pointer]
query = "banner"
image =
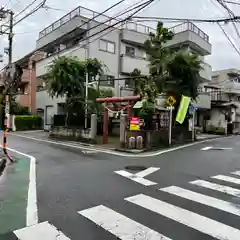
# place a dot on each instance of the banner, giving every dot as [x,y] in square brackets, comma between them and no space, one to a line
[182,111]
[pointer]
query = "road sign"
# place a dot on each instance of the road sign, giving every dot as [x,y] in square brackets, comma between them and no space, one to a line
[191,109]
[171,100]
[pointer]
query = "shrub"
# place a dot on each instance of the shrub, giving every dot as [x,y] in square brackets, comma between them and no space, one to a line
[28,122]
[215,130]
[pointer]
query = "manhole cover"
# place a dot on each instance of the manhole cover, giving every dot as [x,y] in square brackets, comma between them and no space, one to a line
[135,168]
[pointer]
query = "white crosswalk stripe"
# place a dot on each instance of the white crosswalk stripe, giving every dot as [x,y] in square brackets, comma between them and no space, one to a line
[203,199]
[41,231]
[119,225]
[193,220]
[221,188]
[227,179]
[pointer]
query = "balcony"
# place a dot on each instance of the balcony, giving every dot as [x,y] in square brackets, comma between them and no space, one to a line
[203,101]
[26,76]
[206,72]
[128,64]
[231,87]
[189,34]
[41,66]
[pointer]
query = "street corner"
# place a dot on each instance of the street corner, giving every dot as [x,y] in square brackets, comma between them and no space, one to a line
[14,184]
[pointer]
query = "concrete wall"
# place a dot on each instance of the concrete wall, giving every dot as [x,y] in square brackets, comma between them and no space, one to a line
[48,105]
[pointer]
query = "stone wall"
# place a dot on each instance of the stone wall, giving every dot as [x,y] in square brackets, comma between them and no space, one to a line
[71,133]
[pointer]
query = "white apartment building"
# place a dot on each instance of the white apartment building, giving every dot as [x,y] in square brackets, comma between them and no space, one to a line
[120,49]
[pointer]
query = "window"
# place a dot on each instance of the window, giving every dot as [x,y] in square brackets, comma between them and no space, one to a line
[238,98]
[129,83]
[130,51]
[107,80]
[107,46]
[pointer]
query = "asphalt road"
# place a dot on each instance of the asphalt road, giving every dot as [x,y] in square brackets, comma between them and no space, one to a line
[82,196]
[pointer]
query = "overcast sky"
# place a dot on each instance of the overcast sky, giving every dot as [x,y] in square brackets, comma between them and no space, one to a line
[223,55]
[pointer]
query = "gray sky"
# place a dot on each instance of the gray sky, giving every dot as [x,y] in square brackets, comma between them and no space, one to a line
[223,55]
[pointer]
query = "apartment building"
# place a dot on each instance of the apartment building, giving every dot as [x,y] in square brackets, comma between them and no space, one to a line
[224,90]
[121,50]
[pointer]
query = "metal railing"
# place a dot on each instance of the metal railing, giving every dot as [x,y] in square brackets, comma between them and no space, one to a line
[89,14]
[188,26]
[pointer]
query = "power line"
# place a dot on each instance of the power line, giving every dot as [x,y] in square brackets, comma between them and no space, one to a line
[28,6]
[231,2]
[230,41]
[112,27]
[231,14]
[188,19]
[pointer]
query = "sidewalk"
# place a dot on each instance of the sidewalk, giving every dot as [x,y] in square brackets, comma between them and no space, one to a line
[112,145]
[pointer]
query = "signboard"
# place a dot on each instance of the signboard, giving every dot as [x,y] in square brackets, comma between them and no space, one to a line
[191,109]
[134,123]
[171,101]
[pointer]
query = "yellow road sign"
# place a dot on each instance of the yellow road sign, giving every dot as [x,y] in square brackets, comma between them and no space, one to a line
[171,100]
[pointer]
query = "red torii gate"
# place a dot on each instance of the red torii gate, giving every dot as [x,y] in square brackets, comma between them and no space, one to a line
[130,99]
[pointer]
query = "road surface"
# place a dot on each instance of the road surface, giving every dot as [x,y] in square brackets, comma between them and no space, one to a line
[185,194]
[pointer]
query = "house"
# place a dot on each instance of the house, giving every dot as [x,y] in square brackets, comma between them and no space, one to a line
[121,50]
[225,98]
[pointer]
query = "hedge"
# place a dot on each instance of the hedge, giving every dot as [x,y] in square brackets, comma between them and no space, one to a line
[28,122]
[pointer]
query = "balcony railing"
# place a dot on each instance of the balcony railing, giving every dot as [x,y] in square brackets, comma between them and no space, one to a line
[89,14]
[188,26]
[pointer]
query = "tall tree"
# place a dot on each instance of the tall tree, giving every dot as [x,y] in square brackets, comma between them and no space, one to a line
[174,73]
[66,77]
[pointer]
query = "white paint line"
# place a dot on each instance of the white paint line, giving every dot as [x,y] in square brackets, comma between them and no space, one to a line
[206,148]
[151,154]
[41,231]
[203,199]
[227,179]
[217,187]
[135,178]
[146,172]
[236,173]
[193,220]
[32,210]
[90,151]
[122,227]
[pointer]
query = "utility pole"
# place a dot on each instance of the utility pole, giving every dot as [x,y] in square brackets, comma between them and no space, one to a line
[9,81]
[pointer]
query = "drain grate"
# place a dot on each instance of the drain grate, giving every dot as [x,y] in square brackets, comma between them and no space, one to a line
[135,168]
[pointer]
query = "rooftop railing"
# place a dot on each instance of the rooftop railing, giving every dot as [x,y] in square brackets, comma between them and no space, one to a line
[89,14]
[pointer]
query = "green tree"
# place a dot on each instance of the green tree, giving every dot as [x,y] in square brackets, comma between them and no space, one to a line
[144,86]
[174,73]
[66,78]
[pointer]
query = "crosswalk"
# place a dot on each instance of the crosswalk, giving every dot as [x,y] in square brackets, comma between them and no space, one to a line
[206,193]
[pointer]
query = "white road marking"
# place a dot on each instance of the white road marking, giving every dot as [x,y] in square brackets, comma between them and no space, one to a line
[90,151]
[203,199]
[135,178]
[193,220]
[227,179]
[41,231]
[217,187]
[206,148]
[146,172]
[122,227]
[152,154]
[32,210]
[236,173]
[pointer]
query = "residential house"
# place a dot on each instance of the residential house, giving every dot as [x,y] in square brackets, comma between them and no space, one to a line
[121,50]
[225,98]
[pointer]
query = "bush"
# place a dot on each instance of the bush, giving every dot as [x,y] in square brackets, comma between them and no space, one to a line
[28,122]
[211,129]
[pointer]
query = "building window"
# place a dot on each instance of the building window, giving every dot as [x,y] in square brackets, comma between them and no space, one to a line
[238,98]
[129,83]
[130,51]
[107,80]
[107,46]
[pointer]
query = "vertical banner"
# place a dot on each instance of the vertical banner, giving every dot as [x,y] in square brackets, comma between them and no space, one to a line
[183,108]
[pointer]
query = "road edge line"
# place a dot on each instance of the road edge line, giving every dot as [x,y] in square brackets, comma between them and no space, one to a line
[150,154]
[32,209]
